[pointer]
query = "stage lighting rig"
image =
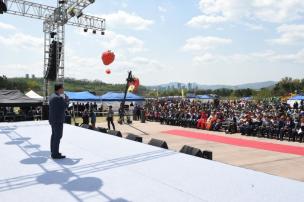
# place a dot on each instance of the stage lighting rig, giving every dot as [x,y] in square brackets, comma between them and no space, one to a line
[67,12]
[3,7]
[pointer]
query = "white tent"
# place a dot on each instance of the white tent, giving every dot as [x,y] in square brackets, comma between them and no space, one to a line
[34,95]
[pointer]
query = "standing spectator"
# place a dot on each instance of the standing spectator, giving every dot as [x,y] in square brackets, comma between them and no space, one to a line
[93,118]
[87,105]
[95,106]
[68,117]
[85,117]
[121,112]
[110,118]
[138,112]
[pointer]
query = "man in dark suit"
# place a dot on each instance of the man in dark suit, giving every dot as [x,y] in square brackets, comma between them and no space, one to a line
[58,102]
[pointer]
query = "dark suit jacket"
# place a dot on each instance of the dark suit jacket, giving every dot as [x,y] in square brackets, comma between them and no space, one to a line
[57,109]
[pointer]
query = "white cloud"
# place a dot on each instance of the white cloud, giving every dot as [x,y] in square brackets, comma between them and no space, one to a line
[297,57]
[274,11]
[201,43]
[263,56]
[122,19]
[20,70]
[162,18]
[289,34]
[231,9]
[162,9]
[205,58]
[20,40]
[252,26]
[113,40]
[205,21]
[7,26]
[83,67]
[148,63]
[278,11]
[118,42]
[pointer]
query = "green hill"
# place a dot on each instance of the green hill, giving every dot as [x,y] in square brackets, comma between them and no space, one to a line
[36,84]
[282,88]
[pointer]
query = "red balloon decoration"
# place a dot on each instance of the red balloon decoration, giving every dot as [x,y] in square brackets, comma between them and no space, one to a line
[108,57]
[108,71]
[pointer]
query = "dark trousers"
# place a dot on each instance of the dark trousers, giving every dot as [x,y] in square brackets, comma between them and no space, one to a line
[110,121]
[57,129]
[301,135]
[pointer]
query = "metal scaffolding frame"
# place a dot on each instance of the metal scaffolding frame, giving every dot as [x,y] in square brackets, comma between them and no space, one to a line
[67,12]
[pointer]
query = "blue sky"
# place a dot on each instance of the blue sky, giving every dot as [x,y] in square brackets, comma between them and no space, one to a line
[204,41]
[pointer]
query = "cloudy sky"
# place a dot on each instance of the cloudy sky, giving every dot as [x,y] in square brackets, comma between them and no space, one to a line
[204,41]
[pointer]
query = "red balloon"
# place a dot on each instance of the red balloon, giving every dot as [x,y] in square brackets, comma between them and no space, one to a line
[108,71]
[108,57]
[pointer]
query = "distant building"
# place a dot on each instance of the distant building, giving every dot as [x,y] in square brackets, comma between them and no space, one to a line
[33,76]
[27,76]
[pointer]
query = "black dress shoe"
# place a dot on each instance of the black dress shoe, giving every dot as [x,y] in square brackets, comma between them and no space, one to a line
[58,156]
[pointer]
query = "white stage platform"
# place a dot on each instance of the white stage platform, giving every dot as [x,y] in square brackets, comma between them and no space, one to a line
[101,167]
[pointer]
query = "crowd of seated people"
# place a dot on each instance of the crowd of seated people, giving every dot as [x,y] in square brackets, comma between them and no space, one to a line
[269,119]
[8,114]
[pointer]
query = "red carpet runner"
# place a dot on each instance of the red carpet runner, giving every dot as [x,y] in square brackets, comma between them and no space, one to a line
[239,142]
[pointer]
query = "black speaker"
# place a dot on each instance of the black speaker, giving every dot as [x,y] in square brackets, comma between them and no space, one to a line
[207,154]
[192,151]
[3,7]
[45,112]
[86,126]
[133,137]
[102,130]
[51,72]
[158,143]
[115,133]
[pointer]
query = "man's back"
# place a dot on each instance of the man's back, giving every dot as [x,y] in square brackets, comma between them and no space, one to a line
[56,109]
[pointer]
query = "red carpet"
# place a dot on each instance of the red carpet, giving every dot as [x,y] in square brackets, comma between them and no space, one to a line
[239,142]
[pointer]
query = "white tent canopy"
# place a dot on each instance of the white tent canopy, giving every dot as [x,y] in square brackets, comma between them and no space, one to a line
[34,95]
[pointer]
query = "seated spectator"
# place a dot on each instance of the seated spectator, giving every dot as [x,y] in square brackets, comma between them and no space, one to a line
[300,131]
[201,123]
